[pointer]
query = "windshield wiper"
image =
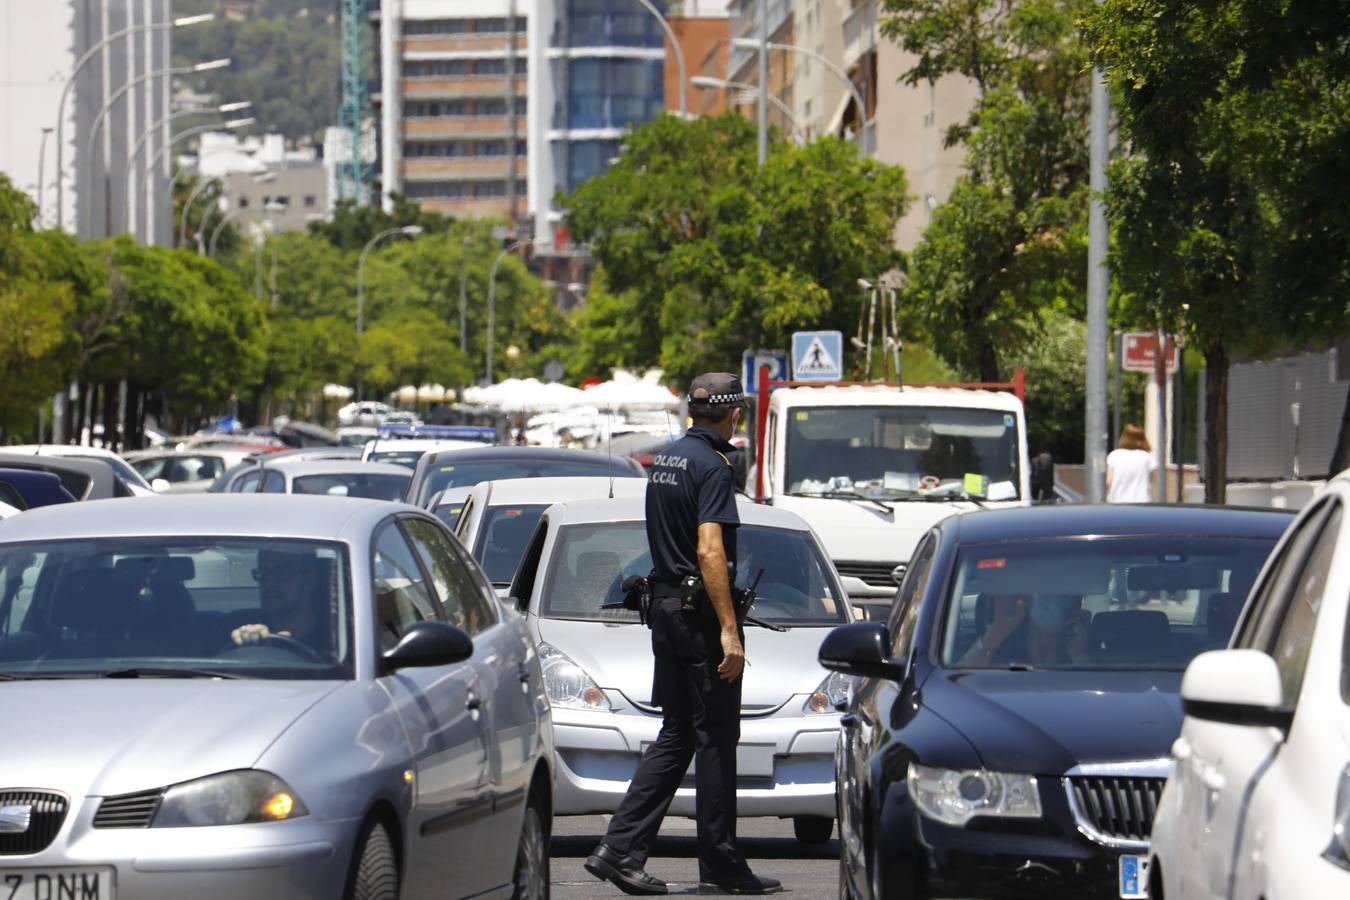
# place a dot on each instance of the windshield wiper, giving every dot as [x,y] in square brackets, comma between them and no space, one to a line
[163,672]
[843,495]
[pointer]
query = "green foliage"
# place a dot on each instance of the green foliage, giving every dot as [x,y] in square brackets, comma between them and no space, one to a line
[705,253]
[1008,247]
[352,226]
[286,56]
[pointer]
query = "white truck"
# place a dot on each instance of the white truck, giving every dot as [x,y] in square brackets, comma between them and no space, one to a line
[873,467]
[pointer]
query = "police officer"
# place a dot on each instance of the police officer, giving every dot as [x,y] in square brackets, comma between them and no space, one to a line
[698,645]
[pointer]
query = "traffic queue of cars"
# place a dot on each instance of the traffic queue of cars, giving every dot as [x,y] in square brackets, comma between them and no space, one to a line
[341,695]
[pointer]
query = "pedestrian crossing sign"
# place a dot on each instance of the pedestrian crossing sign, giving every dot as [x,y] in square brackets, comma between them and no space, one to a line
[817,356]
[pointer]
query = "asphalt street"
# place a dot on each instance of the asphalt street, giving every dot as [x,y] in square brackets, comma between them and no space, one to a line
[806,871]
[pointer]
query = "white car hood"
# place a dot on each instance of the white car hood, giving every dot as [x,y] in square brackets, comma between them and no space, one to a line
[98,737]
[861,531]
[619,657]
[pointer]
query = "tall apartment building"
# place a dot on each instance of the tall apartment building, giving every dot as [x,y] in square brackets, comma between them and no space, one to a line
[451,103]
[40,42]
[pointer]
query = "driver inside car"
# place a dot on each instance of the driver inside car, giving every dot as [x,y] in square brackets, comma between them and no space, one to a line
[291,595]
[1040,630]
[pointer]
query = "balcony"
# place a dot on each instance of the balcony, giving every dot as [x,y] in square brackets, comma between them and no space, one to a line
[460,168]
[431,45]
[464,127]
[860,33]
[463,86]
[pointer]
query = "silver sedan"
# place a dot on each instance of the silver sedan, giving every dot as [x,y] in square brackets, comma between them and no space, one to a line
[381,731]
[598,661]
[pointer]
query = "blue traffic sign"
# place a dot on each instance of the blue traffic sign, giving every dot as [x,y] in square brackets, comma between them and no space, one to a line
[751,360]
[817,356]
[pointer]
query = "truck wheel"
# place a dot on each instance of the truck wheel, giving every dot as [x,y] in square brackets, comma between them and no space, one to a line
[813,829]
[375,876]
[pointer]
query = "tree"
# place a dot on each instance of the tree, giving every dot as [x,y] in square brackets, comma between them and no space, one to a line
[1009,245]
[1228,217]
[705,253]
[352,225]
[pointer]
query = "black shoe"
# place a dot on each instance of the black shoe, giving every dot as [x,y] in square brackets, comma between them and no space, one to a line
[744,884]
[622,872]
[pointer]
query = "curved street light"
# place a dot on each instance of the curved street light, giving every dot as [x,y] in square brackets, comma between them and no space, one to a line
[748,44]
[163,120]
[410,231]
[220,226]
[70,82]
[492,300]
[679,54]
[201,223]
[118,94]
[705,81]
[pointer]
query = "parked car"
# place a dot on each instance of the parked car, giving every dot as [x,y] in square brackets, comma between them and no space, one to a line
[183,471]
[23,489]
[388,737]
[368,413]
[465,467]
[6,510]
[225,483]
[355,435]
[598,665]
[447,505]
[345,478]
[499,517]
[407,451]
[129,477]
[84,478]
[1009,736]
[1258,805]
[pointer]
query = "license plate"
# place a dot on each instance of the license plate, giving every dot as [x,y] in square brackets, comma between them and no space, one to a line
[1134,877]
[57,884]
[752,760]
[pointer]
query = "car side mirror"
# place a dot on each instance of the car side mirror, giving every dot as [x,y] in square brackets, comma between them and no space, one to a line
[1235,687]
[160,485]
[860,649]
[428,643]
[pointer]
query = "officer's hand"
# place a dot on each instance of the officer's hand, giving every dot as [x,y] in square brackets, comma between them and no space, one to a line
[733,656]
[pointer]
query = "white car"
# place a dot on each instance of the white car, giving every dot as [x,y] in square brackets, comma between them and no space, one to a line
[340,478]
[498,517]
[598,661]
[130,478]
[184,471]
[1258,805]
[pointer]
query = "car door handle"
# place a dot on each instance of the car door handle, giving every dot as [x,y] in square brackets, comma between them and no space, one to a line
[473,704]
[848,720]
[1181,749]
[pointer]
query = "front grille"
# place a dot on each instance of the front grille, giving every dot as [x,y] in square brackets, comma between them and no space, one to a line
[873,574]
[47,810]
[1115,808]
[128,810]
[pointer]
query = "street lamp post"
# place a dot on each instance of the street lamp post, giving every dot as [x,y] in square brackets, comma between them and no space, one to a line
[201,223]
[745,43]
[118,94]
[762,144]
[42,157]
[70,82]
[410,231]
[492,300]
[220,226]
[704,81]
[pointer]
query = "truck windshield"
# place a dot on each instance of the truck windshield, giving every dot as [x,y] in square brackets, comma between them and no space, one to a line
[888,452]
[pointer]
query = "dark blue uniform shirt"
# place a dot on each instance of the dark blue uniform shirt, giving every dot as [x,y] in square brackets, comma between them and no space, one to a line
[690,482]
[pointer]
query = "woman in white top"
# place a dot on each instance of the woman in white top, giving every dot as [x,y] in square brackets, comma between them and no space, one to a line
[1129,468]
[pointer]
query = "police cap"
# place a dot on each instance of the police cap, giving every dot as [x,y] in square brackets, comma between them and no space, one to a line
[716,389]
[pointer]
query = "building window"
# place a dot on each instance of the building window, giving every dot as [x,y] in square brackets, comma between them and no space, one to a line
[612,93]
[611,23]
[416,27]
[310,201]
[243,201]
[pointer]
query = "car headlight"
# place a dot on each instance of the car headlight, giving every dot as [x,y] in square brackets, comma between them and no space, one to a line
[230,798]
[1338,851]
[567,683]
[954,797]
[834,692]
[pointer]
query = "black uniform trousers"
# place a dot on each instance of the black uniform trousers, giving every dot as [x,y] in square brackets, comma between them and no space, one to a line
[701,721]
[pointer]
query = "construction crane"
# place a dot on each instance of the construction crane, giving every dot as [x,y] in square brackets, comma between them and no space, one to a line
[354,174]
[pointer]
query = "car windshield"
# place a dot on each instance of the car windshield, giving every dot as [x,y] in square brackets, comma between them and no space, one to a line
[451,474]
[1073,603]
[590,562]
[449,513]
[407,458]
[888,452]
[177,469]
[112,605]
[502,538]
[373,486]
